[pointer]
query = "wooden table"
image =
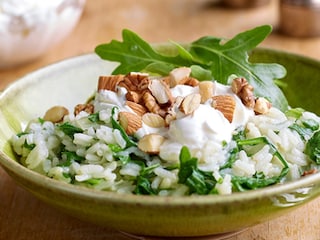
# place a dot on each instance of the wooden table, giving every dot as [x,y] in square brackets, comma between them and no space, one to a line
[22,216]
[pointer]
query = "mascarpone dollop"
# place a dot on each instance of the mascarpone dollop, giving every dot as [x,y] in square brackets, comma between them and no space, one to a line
[203,125]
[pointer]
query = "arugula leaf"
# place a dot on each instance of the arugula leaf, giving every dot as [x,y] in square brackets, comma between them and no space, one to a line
[135,54]
[198,181]
[259,180]
[70,158]
[304,132]
[29,146]
[294,112]
[69,129]
[93,181]
[313,147]
[143,184]
[234,151]
[94,117]
[306,128]
[232,58]
[208,58]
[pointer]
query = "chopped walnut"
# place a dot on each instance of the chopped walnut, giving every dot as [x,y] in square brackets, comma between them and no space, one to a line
[89,108]
[244,90]
[262,106]
[238,84]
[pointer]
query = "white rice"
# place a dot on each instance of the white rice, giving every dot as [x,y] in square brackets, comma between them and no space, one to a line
[100,170]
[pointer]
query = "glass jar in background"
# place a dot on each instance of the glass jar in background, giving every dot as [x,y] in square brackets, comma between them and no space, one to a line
[244,3]
[299,18]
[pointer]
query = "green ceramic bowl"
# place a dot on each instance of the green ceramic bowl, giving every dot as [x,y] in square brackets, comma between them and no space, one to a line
[71,81]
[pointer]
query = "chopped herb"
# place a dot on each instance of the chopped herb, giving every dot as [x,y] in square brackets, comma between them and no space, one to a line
[233,153]
[259,180]
[94,117]
[143,186]
[69,129]
[94,181]
[311,124]
[304,132]
[115,148]
[306,128]
[29,146]
[295,112]
[122,156]
[198,181]
[70,158]
[20,134]
[41,120]
[143,181]
[239,134]
[66,175]
[313,147]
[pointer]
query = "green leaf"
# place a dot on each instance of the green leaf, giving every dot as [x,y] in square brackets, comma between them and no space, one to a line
[143,186]
[94,117]
[69,129]
[70,158]
[200,73]
[29,146]
[304,132]
[259,180]
[198,181]
[295,112]
[232,58]
[212,57]
[134,54]
[313,147]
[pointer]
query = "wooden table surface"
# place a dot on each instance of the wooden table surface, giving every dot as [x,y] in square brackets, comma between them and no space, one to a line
[22,216]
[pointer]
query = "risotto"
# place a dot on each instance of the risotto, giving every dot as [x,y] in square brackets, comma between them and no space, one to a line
[171,135]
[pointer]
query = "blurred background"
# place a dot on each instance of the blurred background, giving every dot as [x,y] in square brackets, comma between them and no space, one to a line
[74,27]
[50,31]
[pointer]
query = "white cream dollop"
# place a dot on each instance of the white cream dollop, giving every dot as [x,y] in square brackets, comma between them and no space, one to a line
[205,124]
[195,130]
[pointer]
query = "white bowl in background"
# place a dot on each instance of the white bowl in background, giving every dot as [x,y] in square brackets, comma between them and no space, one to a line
[29,28]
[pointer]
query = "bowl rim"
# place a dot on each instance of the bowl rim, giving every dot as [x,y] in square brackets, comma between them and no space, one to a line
[12,166]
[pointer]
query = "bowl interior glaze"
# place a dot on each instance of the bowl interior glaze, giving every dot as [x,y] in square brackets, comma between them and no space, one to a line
[72,81]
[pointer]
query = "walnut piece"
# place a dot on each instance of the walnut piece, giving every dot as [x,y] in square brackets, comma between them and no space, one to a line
[262,106]
[88,107]
[244,90]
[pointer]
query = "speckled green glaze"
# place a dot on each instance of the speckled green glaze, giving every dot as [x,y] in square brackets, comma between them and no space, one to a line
[72,81]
